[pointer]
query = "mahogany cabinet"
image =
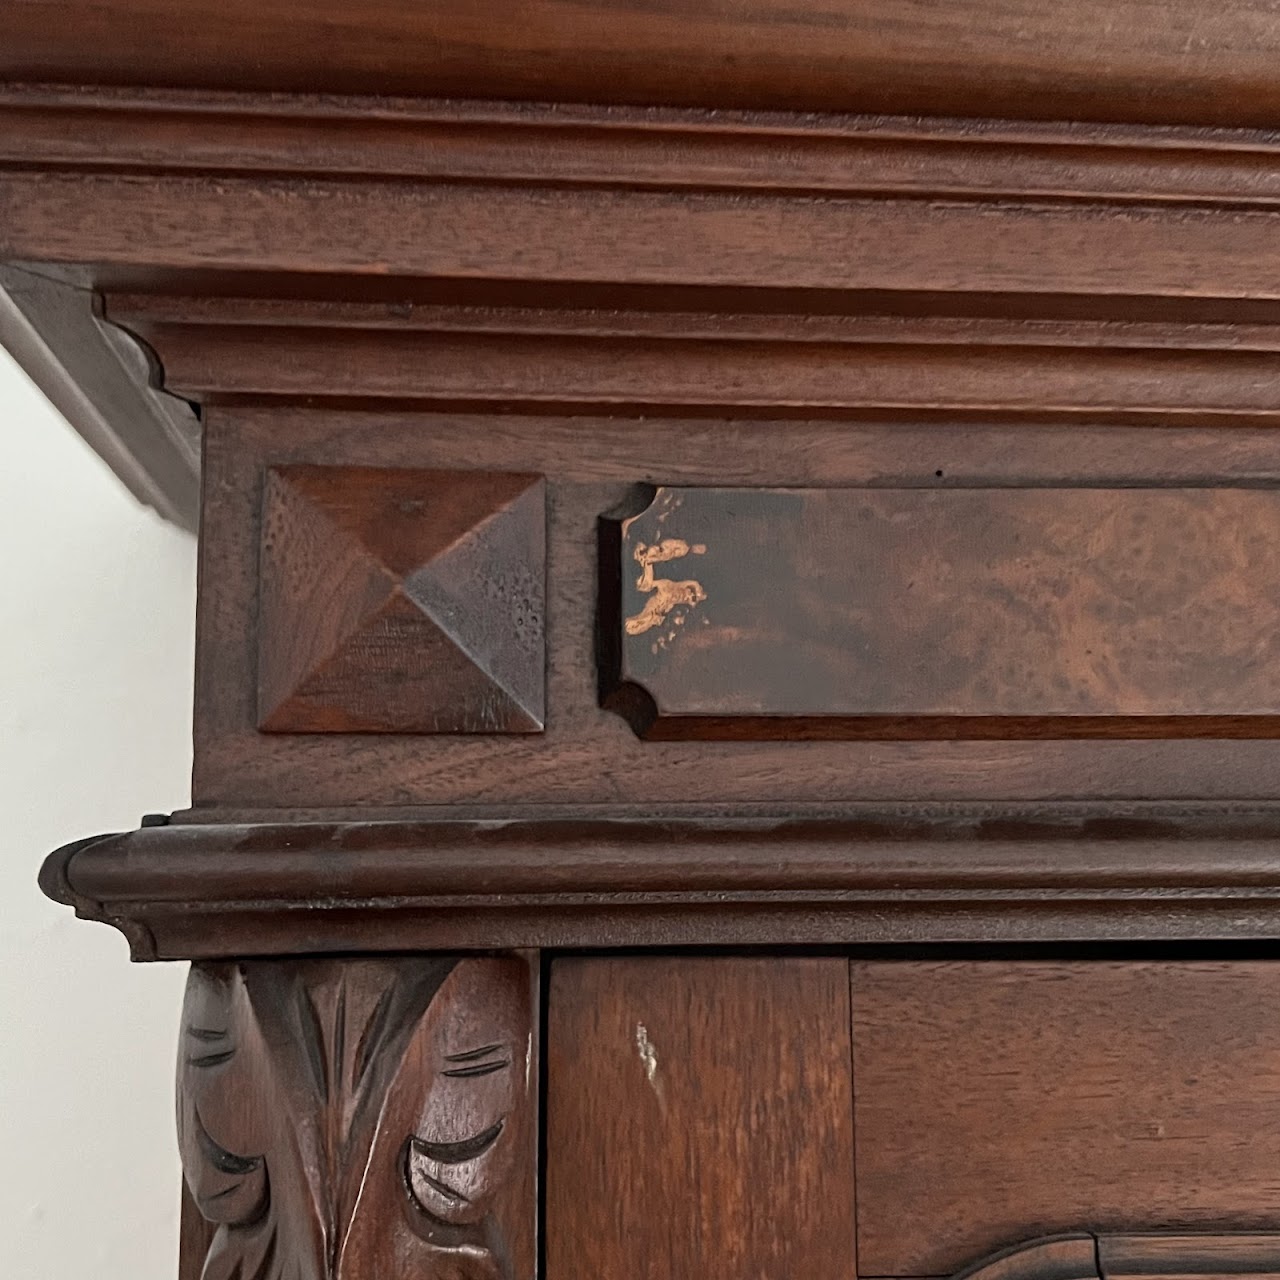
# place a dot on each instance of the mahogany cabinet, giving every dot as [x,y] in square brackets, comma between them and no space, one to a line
[737,725]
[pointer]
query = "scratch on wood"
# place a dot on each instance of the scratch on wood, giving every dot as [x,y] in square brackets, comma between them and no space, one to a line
[649,1060]
[665,594]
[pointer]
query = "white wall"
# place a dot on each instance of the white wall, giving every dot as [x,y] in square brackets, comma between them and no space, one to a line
[96,624]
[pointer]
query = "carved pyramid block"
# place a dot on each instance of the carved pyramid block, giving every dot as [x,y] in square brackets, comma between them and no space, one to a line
[401,601]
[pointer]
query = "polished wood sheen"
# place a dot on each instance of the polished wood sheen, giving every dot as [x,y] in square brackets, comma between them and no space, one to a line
[960,613]
[1080,1256]
[978,872]
[711,1097]
[350,1118]
[590,756]
[401,602]
[1090,60]
[999,1101]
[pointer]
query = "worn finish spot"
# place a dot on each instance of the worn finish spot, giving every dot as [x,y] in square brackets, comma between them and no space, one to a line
[665,594]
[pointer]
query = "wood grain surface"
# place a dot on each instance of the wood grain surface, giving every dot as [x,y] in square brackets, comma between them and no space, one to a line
[401,601]
[916,873]
[589,755]
[1000,1101]
[340,1119]
[964,613]
[699,1119]
[1198,63]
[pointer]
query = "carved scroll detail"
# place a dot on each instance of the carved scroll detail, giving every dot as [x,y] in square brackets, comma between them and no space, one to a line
[343,1119]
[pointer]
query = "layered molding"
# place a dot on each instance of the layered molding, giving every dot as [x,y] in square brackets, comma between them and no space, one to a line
[629,260]
[584,358]
[747,200]
[560,144]
[100,381]
[200,891]
[1094,59]
[1083,1256]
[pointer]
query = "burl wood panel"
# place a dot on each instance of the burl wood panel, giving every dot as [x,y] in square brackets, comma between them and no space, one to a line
[1001,1101]
[401,601]
[699,1119]
[979,613]
[345,1119]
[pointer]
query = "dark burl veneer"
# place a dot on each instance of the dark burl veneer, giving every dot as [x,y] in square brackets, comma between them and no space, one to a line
[945,613]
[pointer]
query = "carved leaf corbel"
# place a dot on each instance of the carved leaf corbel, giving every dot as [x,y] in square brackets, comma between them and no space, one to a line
[347,1118]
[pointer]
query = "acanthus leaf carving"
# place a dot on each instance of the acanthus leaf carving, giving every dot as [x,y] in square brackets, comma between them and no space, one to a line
[350,1118]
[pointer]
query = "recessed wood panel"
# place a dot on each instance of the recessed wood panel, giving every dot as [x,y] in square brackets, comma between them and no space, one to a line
[699,1119]
[944,613]
[997,1102]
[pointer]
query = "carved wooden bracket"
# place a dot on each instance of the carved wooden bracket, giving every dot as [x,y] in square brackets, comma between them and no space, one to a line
[345,1119]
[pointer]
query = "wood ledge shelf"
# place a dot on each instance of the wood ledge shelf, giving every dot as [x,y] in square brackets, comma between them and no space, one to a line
[201,891]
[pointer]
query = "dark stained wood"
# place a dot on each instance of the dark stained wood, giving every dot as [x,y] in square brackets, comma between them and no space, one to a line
[989,873]
[1108,1257]
[1065,1257]
[711,1097]
[998,1101]
[195,1235]
[431,342]
[980,57]
[590,756]
[618,236]
[788,368]
[357,1117]
[581,144]
[1189,1255]
[401,602]
[963,613]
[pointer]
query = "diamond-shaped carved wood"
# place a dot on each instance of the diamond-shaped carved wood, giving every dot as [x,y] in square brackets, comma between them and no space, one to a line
[401,601]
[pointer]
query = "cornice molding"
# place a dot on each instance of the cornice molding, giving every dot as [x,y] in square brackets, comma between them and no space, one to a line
[200,891]
[548,257]
[636,148]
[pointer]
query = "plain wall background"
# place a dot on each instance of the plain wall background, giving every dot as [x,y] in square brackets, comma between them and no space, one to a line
[97,599]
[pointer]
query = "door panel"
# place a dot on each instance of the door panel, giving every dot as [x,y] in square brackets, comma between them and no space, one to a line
[699,1119]
[997,1102]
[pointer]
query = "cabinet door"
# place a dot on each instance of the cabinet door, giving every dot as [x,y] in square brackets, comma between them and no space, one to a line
[702,1112]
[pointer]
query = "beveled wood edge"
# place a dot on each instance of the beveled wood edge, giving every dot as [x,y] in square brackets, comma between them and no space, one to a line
[670,148]
[1157,1255]
[99,379]
[1061,1257]
[198,891]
